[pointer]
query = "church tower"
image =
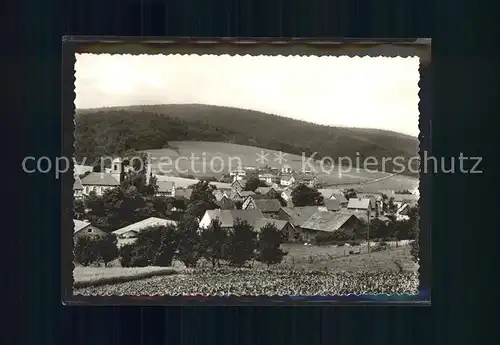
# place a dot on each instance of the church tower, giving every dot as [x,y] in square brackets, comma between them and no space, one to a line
[117,169]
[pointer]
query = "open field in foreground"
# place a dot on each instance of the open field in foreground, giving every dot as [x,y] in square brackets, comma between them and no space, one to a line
[85,276]
[255,282]
[389,271]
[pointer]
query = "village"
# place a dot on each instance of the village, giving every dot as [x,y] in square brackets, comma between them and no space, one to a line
[271,201]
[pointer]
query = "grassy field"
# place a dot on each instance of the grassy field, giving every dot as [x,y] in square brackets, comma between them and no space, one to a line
[216,159]
[311,270]
[87,276]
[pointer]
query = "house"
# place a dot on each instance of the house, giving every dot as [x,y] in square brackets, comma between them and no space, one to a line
[129,233]
[268,191]
[332,205]
[166,188]
[228,217]
[269,178]
[289,232]
[321,222]
[238,185]
[287,180]
[98,182]
[269,207]
[359,204]
[340,198]
[84,228]
[184,193]
[219,194]
[238,174]
[240,196]
[296,215]
[225,203]
[77,188]
[308,180]
[286,169]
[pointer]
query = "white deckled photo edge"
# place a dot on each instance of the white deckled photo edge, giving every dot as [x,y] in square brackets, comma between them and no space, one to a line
[246,175]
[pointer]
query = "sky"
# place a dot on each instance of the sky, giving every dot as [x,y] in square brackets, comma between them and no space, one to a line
[362,92]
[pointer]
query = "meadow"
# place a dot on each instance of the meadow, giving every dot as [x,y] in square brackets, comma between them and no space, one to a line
[217,159]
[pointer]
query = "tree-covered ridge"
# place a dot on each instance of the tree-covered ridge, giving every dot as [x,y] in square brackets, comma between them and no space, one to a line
[109,131]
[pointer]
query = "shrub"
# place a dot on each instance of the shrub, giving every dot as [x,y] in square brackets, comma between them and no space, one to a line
[85,250]
[154,246]
[106,248]
[241,243]
[269,251]
[335,237]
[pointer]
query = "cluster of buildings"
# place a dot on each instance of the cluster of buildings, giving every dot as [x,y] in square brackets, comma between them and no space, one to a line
[270,204]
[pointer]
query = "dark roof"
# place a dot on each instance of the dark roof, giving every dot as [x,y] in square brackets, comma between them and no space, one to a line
[99,179]
[267,205]
[228,217]
[298,215]
[340,197]
[326,221]
[332,205]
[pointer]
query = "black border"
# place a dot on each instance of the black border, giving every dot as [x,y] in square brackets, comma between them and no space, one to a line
[241,46]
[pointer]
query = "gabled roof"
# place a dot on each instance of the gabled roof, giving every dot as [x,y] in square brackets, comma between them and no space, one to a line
[287,177]
[79,225]
[306,177]
[261,222]
[340,197]
[332,205]
[228,217]
[267,175]
[264,190]
[165,186]
[267,205]
[358,203]
[180,182]
[241,182]
[77,185]
[326,221]
[143,224]
[225,203]
[99,179]
[298,215]
[326,193]
[246,193]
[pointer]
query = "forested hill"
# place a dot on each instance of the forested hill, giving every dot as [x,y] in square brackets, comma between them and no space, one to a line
[108,131]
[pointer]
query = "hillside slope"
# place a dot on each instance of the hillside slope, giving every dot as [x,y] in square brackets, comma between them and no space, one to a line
[112,130]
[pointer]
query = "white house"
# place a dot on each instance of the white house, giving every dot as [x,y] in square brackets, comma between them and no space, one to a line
[228,217]
[166,188]
[286,169]
[268,178]
[129,233]
[287,180]
[98,183]
[358,204]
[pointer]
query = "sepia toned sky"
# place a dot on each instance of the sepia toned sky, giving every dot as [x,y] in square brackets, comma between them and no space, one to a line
[339,91]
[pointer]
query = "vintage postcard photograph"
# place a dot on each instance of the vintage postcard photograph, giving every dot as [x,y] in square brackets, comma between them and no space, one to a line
[245,175]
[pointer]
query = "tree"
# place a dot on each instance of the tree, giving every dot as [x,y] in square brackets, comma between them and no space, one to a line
[213,242]
[241,243]
[189,248]
[85,250]
[269,251]
[79,209]
[202,199]
[303,195]
[253,183]
[350,193]
[154,246]
[107,248]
